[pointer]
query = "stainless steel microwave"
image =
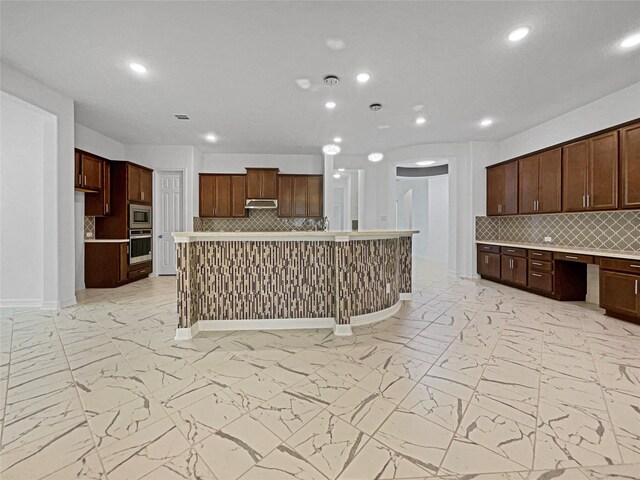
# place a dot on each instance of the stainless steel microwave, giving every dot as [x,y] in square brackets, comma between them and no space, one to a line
[139,216]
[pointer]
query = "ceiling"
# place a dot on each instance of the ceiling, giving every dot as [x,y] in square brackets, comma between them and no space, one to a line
[232,67]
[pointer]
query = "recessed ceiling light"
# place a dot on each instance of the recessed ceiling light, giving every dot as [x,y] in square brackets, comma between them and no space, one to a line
[375,157]
[630,41]
[518,34]
[330,105]
[341,169]
[417,108]
[336,175]
[363,77]
[424,163]
[420,120]
[485,122]
[331,149]
[383,127]
[337,139]
[335,43]
[138,68]
[210,137]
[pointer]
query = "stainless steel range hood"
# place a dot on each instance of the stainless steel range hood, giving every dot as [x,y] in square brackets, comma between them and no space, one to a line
[256,203]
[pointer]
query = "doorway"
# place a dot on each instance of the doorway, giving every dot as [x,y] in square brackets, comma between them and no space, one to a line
[169,219]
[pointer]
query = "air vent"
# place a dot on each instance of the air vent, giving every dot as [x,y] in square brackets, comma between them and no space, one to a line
[182,117]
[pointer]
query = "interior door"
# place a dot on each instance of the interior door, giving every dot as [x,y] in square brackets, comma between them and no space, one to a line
[170,213]
[603,172]
[575,161]
[528,184]
[630,166]
[550,181]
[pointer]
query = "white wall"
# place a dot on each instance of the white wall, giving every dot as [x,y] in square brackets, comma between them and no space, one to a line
[58,242]
[619,107]
[94,142]
[236,163]
[21,202]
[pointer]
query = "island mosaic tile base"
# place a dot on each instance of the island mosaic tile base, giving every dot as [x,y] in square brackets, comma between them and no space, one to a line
[258,221]
[618,230]
[469,380]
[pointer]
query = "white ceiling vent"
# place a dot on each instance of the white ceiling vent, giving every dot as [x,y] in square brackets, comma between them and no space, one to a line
[182,116]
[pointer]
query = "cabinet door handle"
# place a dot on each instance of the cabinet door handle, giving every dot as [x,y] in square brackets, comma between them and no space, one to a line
[584,202]
[142,195]
[634,266]
[79,179]
[85,180]
[107,208]
[512,251]
[588,200]
[536,274]
[636,286]
[536,263]
[536,253]
[571,257]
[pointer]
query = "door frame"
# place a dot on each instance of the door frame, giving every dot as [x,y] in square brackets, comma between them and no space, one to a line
[157,205]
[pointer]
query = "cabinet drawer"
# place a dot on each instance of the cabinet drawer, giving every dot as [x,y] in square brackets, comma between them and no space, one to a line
[514,252]
[489,248]
[540,255]
[541,281]
[135,272]
[631,266]
[540,266]
[573,257]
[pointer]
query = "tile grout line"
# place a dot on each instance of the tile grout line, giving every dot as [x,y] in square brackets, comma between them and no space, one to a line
[6,392]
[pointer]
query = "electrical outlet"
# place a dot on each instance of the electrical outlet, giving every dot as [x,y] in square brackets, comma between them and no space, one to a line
[89,235]
[547,239]
[388,288]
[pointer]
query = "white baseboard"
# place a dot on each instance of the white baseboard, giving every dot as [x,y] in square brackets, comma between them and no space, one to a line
[374,317]
[406,296]
[21,302]
[266,324]
[342,330]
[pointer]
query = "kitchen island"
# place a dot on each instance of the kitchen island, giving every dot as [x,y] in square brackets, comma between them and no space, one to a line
[276,280]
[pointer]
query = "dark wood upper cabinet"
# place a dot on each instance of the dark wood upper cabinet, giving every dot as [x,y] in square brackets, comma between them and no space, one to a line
[539,182]
[285,195]
[139,184]
[300,188]
[315,198]
[300,196]
[77,182]
[602,192]
[550,181]
[262,183]
[528,181]
[575,166]
[99,204]
[238,196]
[630,166]
[502,189]
[590,174]
[222,195]
[88,172]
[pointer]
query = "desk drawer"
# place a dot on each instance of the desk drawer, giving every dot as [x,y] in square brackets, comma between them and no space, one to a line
[631,266]
[573,257]
[541,281]
[136,272]
[539,266]
[489,248]
[514,252]
[540,255]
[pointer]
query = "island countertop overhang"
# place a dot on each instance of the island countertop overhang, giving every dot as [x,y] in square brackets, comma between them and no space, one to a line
[342,236]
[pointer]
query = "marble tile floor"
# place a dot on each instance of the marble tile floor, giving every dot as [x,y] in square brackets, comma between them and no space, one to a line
[469,379]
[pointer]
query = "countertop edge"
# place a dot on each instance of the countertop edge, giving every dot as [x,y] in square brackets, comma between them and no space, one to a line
[183,237]
[106,240]
[561,249]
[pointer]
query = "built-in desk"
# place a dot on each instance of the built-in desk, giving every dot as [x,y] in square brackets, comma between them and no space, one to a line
[560,272]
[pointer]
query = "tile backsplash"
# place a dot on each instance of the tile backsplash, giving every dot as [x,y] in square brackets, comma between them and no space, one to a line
[258,221]
[89,227]
[618,230]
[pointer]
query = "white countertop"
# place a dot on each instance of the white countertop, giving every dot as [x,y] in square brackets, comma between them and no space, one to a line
[106,240]
[185,237]
[599,252]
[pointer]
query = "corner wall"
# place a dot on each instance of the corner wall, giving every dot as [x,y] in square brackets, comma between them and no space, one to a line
[58,259]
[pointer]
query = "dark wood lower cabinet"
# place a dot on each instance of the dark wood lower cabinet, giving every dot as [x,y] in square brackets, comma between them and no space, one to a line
[106,265]
[541,281]
[489,265]
[514,270]
[620,291]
